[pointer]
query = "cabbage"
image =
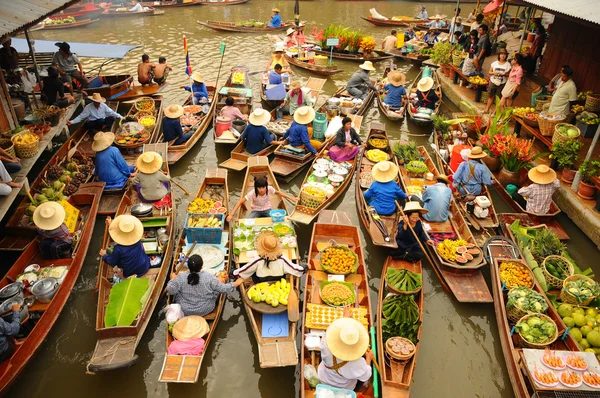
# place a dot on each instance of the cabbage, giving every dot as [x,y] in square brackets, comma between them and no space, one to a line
[533,321]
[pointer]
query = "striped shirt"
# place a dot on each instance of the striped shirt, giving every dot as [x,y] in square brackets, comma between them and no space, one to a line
[199,299]
[60,233]
[276,268]
[539,196]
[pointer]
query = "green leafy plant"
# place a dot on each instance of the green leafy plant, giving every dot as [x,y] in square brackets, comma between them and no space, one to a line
[589,169]
[416,167]
[406,152]
[125,302]
[440,124]
[566,153]
[545,244]
[442,53]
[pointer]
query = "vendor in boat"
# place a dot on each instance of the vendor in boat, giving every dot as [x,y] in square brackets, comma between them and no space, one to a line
[231,111]
[53,90]
[277,58]
[347,142]
[275,21]
[145,70]
[55,238]
[255,135]
[6,182]
[345,355]
[537,197]
[298,135]
[394,89]
[290,39]
[198,89]
[423,15]
[68,64]
[389,42]
[437,23]
[111,167]
[260,200]
[409,249]
[360,83]
[409,33]
[173,133]
[270,264]
[472,174]
[197,292]
[99,116]
[431,37]
[294,99]
[150,182]
[426,95]
[275,75]
[128,257]
[7,330]
[384,191]
[436,199]
[299,35]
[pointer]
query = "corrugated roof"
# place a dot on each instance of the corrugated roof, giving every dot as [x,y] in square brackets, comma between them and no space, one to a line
[588,10]
[18,14]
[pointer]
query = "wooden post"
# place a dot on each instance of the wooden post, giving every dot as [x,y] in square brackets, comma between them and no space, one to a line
[32,53]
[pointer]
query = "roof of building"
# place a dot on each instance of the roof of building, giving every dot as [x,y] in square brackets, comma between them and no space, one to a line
[115,51]
[16,15]
[582,9]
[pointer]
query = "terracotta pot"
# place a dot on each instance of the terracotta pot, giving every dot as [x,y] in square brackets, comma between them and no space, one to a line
[596,182]
[506,177]
[586,191]
[451,73]
[492,162]
[568,175]
[445,70]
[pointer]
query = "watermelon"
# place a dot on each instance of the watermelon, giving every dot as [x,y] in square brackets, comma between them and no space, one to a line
[461,250]
[468,256]
[221,210]
[473,251]
[217,205]
[461,259]
[469,245]
[212,211]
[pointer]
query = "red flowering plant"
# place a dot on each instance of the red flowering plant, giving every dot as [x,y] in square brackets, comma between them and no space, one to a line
[514,153]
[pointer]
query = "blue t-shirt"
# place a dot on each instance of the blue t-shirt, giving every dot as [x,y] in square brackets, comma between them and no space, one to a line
[382,196]
[394,95]
[171,129]
[275,21]
[472,181]
[298,136]
[132,259]
[111,168]
[198,89]
[436,199]
[257,138]
[274,78]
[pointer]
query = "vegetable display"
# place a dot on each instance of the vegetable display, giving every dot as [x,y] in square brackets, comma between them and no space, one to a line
[545,244]
[556,268]
[270,293]
[339,260]
[537,330]
[583,289]
[515,274]
[403,280]
[527,300]
[337,293]
[401,308]
[417,167]
[406,152]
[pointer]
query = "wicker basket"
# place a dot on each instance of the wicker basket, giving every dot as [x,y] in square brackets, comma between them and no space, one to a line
[592,102]
[558,137]
[515,313]
[456,60]
[25,151]
[380,137]
[394,290]
[399,357]
[143,99]
[311,201]
[526,344]
[547,125]
[8,146]
[566,266]
[542,100]
[569,298]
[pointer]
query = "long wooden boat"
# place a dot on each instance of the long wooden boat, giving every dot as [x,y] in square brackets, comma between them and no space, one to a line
[242,94]
[394,114]
[272,351]
[240,157]
[323,70]
[186,368]
[112,13]
[332,225]
[87,10]
[413,57]
[223,2]
[390,22]
[353,57]
[34,332]
[232,27]
[411,109]
[170,4]
[465,281]
[110,86]
[115,347]
[390,223]
[397,376]
[76,24]
[425,27]
[360,111]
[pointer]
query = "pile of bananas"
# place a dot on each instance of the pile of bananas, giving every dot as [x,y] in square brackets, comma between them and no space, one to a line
[376,155]
[200,205]
[480,81]
[578,108]
[272,294]
[447,248]
[25,138]
[204,222]
[238,78]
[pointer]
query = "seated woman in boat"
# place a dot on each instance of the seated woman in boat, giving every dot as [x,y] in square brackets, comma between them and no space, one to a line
[384,191]
[275,21]
[53,90]
[277,58]
[197,292]
[173,133]
[198,89]
[260,200]
[55,238]
[290,39]
[395,91]
[345,355]
[270,264]
[426,95]
[128,256]
[255,135]
[347,142]
[294,99]
[299,34]
[7,330]
[472,174]
[150,182]
[231,111]
[436,199]
[409,249]
[111,167]
[431,37]
[298,135]
[539,193]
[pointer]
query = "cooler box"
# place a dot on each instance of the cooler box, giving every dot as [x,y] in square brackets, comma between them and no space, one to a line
[275,92]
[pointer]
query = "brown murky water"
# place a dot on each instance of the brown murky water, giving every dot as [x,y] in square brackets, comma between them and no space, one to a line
[460,353]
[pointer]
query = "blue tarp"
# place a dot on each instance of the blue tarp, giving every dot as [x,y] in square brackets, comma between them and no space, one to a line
[92,50]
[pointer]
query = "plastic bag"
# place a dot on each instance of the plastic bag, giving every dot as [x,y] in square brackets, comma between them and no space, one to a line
[173,313]
[310,374]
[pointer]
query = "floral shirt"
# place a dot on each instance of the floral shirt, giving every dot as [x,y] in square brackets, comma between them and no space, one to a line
[260,203]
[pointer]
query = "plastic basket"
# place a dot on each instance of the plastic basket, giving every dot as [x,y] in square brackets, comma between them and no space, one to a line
[592,102]
[569,298]
[558,137]
[203,235]
[323,387]
[564,264]
[547,125]
[278,215]
[29,150]
[527,344]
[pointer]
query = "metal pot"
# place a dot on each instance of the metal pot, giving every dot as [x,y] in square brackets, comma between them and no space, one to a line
[239,125]
[347,110]
[45,289]
[141,210]
[333,101]
[12,290]
[6,311]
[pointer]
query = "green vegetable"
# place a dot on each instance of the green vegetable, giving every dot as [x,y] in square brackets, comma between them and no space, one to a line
[124,303]
[400,308]
[536,329]
[545,244]
[407,330]
[583,289]
[403,279]
[526,299]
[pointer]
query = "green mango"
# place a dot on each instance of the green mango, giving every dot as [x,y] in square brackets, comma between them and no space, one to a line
[57,185]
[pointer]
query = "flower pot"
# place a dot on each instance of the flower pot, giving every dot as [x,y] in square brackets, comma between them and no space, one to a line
[568,175]
[492,163]
[586,191]
[506,177]
[554,164]
[451,73]
[445,70]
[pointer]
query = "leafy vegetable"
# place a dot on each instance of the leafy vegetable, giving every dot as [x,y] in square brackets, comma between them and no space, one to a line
[545,244]
[527,300]
[408,330]
[124,303]
[537,330]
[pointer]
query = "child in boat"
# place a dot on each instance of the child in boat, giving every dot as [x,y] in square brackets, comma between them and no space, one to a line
[260,200]
[409,248]
[128,256]
[161,71]
[384,191]
[55,238]
[145,70]
[150,182]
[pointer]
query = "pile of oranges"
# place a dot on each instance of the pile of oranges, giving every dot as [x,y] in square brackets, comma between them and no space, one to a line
[338,260]
[515,274]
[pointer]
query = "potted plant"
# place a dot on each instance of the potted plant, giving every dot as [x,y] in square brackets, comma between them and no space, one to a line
[566,154]
[441,55]
[406,153]
[514,154]
[416,168]
[440,124]
[588,170]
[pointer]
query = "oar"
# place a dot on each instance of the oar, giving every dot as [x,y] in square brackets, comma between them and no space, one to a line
[293,311]
[182,188]
[98,259]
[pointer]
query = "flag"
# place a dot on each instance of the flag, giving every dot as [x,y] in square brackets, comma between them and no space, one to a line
[188,66]
[222,48]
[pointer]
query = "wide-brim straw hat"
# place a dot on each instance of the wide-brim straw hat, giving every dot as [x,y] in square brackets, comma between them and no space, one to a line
[96,97]
[367,65]
[197,77]
[268,246]
[49,216]
[149,162]
[425,84]
[126,230]
[542,174]
[295,84]
[190,327]
[259,117]
[384,171]
[102,141]
[396,78]
[275,9]
[304,115]
[477,153]
[437,16]
[443,178]
[173,111]
[289,31]
[411,206]
[347,339]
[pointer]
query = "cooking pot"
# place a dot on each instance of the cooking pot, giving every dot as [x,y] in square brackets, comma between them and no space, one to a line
[142,210]
[45,289]
[6,311]
[333,101]
[11,290]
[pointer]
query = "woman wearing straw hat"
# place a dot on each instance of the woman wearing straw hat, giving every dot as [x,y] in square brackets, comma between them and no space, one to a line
[539,194]
[260,200]
[173,133]
[409,249]
[198,89]
[150,182]
[99,116]
[294,99]
[431,37]
[298,135]
[472,174]
[270,264]
[111,167]
[345,355]
[290,39]
[436,199]
[347,142]
[436,23]
[128,256]
[275,21]
[384,191]
[394,89]
[360,83]
[277,58]
[55,238]
[426,95]
[256,135]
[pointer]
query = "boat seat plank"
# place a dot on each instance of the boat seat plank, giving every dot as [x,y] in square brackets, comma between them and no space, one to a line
[180,369]
[278,354]
[467,287]
[234,164]
[113,351]
[440,227]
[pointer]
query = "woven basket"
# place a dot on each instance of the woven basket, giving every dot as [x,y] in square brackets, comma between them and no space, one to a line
[542,100]
[515,313]
[592,102]
[399,357]
[564,264]
[394,290]
[8,146]
[456,60]
[380,137]
[25,151]
[558,137]
[526,344]
[142,99]
[569,298]
[311,201]
[547,125]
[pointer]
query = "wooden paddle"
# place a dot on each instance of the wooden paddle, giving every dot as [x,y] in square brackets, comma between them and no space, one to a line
[182,188]
[293,311]
[98,259]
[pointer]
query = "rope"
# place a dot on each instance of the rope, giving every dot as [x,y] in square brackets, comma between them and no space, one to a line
[111,351]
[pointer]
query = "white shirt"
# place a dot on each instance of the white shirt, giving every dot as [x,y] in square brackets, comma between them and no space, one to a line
[348,375]
[137,8]
[277,268]
[498,68]
[560,99]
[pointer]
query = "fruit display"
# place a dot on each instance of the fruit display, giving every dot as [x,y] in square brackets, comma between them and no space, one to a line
[515,274]
[448,248]
[378,143]
[583,95]
[274,293]
[575,362]
[376,155]
[145,105]
[527,300]
[321,316]
[567,130]
[25,138]
[131,133]
[51,193]
[201,221]
[400,308]
[403,280]
[591,379]
[582,289]
[537,329]
[200,205]
[477,80]
[238,77]
[532,116]
[339,260]
[588,118]
[577,108]
[584,324]
[337,293]
[400,347]
[60,21]
[553,361]
[570,379]
[545,378]
[522,111]
[311,190]
[148,122]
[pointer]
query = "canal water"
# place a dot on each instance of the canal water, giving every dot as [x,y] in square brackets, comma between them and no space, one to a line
[460,353]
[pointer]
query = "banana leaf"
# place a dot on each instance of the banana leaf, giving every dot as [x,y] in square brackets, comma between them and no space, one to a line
[124,303]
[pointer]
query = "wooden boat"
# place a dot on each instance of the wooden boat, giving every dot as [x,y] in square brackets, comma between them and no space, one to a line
[240,157]
[223,2]
[465,281]
[170,4]
[390,223]
[186,368]
[242,95]
[413,57]
[113,13]
[232,27]
[110,86]
[425,27]
[394,114]
[332,225]
[76,24]
[323,70]
[360,111]
[396,376]
[81,11]
[390,22]
[353,57]
[115,347]
[272,351]
[411,109]
[34,332]
[263,87]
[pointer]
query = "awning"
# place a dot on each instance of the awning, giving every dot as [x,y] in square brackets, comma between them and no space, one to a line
[582,9]
[16,15]
[93,50]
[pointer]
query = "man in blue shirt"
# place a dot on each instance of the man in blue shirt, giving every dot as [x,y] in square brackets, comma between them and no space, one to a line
[384,191]
[395,91]
[255,134]
[275,75]
[423,14]
[198,89]
[172,130]
[297,134]
[99,115]
[7,329]
[275,22]
[436,200]
[471,174]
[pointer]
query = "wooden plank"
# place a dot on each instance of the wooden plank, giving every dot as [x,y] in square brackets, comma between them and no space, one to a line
[234,164]
[467,287]
[180,369]
[278,354]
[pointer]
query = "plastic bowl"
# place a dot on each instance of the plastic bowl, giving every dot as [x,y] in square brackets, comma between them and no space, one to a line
[278,215]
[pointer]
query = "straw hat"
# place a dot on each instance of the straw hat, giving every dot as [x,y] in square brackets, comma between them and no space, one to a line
[442,178]
[102,141]
[149,162]
[438,16]
[425,84]
[384,171]
[367,65]
[96,97]
[542,174]
[267,245]
[49,216]
[260,117]
[347,339]
[304,115]
[173,111]
[275,9]
[477,153]
[126,230]
[396,78]
[197,77]
[414,206]
[302,24]
[190,327]
[294,85]
[289,31]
